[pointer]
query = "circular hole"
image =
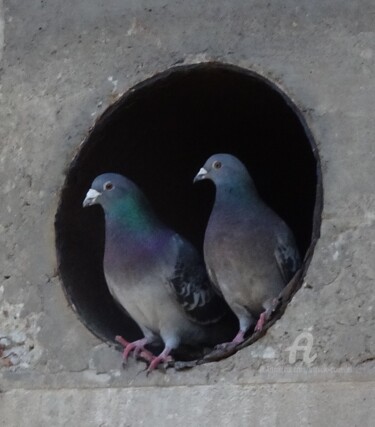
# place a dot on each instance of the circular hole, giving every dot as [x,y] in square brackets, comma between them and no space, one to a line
[159,134]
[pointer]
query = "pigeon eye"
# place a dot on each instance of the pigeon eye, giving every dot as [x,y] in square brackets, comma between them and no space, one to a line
[216,164]
[108,186]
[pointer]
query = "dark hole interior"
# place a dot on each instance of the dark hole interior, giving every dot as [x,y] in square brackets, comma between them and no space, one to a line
[159,134]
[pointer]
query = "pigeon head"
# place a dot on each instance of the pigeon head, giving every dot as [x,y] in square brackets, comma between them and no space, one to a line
[107,189]
[122,201]
[224,169]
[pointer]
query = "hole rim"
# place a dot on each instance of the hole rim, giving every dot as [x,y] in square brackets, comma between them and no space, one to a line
[85,148]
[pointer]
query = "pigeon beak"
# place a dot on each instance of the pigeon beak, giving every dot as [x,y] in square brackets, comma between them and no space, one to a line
[91,197]
[200,175]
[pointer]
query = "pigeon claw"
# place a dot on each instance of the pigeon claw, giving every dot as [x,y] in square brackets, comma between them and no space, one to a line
[271,307]
[238,339]
[137,347]
[261,322]
[226,346]
[162,358]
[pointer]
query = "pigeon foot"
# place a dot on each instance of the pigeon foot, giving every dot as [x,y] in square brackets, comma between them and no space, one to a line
[238,339]
[261,322]
[137,347]
[162,358]
[270,309]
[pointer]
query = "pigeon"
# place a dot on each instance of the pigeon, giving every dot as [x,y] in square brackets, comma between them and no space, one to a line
[249,251]
[156,275]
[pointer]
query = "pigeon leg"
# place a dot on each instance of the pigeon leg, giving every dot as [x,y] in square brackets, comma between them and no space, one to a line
[137,346]
[163,357]
[238,339]
[245,319]
[270,307]
[261,322]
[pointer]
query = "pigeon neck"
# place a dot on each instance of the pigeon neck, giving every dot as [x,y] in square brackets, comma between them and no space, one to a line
[230,195]
[132,215]
[133,233]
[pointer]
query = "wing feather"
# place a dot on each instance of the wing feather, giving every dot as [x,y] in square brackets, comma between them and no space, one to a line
[287,257]
[191,287]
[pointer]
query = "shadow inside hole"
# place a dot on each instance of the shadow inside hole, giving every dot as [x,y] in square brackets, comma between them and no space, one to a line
[159,134]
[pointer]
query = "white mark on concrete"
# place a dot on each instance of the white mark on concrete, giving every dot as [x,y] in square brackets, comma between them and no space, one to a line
[5,342]
[114,83]
[340,241]
[335,256]
[98,106]
[19,336]
[262,352]
[9,186]
[134,28]
[269,353]
[370,217]
[97,378]
[196,58]
[366,53]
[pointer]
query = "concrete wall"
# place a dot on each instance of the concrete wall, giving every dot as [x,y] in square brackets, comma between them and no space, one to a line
[61,64]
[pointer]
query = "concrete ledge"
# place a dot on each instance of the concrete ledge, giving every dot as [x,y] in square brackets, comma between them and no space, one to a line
[205,375]
[332,404]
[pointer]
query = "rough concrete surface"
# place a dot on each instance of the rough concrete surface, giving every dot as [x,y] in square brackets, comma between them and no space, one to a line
[62,64]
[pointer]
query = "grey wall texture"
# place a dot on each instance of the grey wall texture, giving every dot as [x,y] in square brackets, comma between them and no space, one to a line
[62,64]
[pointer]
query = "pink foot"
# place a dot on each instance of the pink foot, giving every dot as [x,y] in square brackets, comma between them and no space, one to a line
[260,323]
[238,339]
[162,358]
[137,347]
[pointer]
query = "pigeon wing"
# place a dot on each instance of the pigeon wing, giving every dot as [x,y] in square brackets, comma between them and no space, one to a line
[191,287]
[287,257]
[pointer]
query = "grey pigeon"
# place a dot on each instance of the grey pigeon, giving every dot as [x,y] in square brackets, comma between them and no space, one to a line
[156,275]
[249,251]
